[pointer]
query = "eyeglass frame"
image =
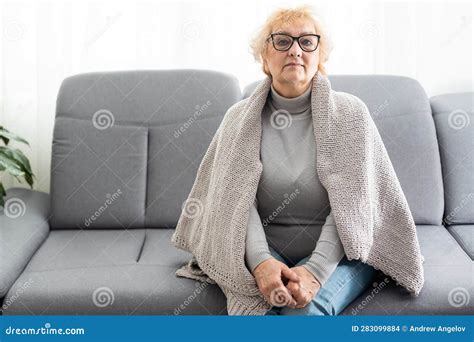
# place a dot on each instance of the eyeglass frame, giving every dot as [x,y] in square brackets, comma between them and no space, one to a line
[293,40]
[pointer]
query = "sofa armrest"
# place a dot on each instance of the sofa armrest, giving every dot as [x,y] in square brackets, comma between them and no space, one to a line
[23,228]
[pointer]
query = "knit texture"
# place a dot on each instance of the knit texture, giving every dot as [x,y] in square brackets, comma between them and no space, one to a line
[372,215]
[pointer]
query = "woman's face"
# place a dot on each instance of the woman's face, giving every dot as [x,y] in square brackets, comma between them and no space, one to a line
[278,62]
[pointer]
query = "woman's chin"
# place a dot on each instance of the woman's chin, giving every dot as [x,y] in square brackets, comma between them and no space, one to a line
[293,76]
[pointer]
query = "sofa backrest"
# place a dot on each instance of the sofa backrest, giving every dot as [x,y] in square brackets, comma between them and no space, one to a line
[402,114]
[454,119]
[127,145]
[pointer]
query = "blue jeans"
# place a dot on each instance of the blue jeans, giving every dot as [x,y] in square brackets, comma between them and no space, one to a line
[349,280]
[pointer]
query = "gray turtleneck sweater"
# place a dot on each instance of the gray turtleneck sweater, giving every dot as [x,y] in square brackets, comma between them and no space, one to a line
[291,211]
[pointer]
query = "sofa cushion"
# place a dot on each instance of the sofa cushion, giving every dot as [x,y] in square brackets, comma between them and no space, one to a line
[110,272]
[79,272]
[402,114]
[143,132]
[65,249]
[98,176]
[464,235]
[179,139]
[448,288]
[454,119]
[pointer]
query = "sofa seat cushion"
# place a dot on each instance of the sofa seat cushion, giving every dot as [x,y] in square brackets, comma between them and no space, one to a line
[448,288]
[110,272]
[464,235]
[133,272]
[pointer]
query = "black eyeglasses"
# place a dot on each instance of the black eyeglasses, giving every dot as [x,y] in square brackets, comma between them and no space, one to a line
[283,42]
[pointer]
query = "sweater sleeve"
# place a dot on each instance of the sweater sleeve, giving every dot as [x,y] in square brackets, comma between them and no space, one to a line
[256,245]
[327,253]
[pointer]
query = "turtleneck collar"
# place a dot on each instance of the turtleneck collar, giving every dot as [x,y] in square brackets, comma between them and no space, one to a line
[295,105]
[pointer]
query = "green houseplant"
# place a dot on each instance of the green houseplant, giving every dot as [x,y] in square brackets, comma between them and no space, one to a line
[13,161]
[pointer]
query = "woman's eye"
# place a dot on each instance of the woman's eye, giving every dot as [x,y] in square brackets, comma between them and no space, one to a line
[282,42]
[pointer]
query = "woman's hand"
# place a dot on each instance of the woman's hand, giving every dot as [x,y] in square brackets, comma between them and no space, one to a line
[305,290]
[272,276]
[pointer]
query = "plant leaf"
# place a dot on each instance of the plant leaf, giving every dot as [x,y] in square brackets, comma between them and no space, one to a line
[11,166]
[22,159]
[6,135]
[2,195]
[29,179]
[5,140]
[12,160]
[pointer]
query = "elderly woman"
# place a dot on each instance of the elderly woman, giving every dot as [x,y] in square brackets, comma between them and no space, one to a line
[296,204]
[292,47]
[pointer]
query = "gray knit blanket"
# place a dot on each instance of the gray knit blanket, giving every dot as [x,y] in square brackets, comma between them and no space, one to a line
[370,210]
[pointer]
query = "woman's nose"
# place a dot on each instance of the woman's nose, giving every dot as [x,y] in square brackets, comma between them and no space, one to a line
[295,50]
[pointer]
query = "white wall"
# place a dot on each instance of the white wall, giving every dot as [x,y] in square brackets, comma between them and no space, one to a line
[44,42]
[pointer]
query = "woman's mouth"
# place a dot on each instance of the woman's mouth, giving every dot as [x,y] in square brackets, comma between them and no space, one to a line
[293,65]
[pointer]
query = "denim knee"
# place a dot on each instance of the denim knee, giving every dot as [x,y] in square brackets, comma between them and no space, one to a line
[274,311]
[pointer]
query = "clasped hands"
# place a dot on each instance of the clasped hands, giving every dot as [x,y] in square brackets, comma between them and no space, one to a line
[283,286]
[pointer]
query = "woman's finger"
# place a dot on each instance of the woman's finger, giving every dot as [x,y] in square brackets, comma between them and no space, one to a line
[296,290]
[290,274]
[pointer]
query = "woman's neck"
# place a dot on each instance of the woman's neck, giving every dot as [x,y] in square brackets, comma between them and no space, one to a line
[295,105]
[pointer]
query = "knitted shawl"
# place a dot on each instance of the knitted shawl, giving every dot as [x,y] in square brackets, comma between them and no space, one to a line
[370,210]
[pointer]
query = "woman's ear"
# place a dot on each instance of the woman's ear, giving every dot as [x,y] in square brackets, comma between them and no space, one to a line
[265,66]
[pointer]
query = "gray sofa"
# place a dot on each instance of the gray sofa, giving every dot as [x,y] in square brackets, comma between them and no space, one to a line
[126,149]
